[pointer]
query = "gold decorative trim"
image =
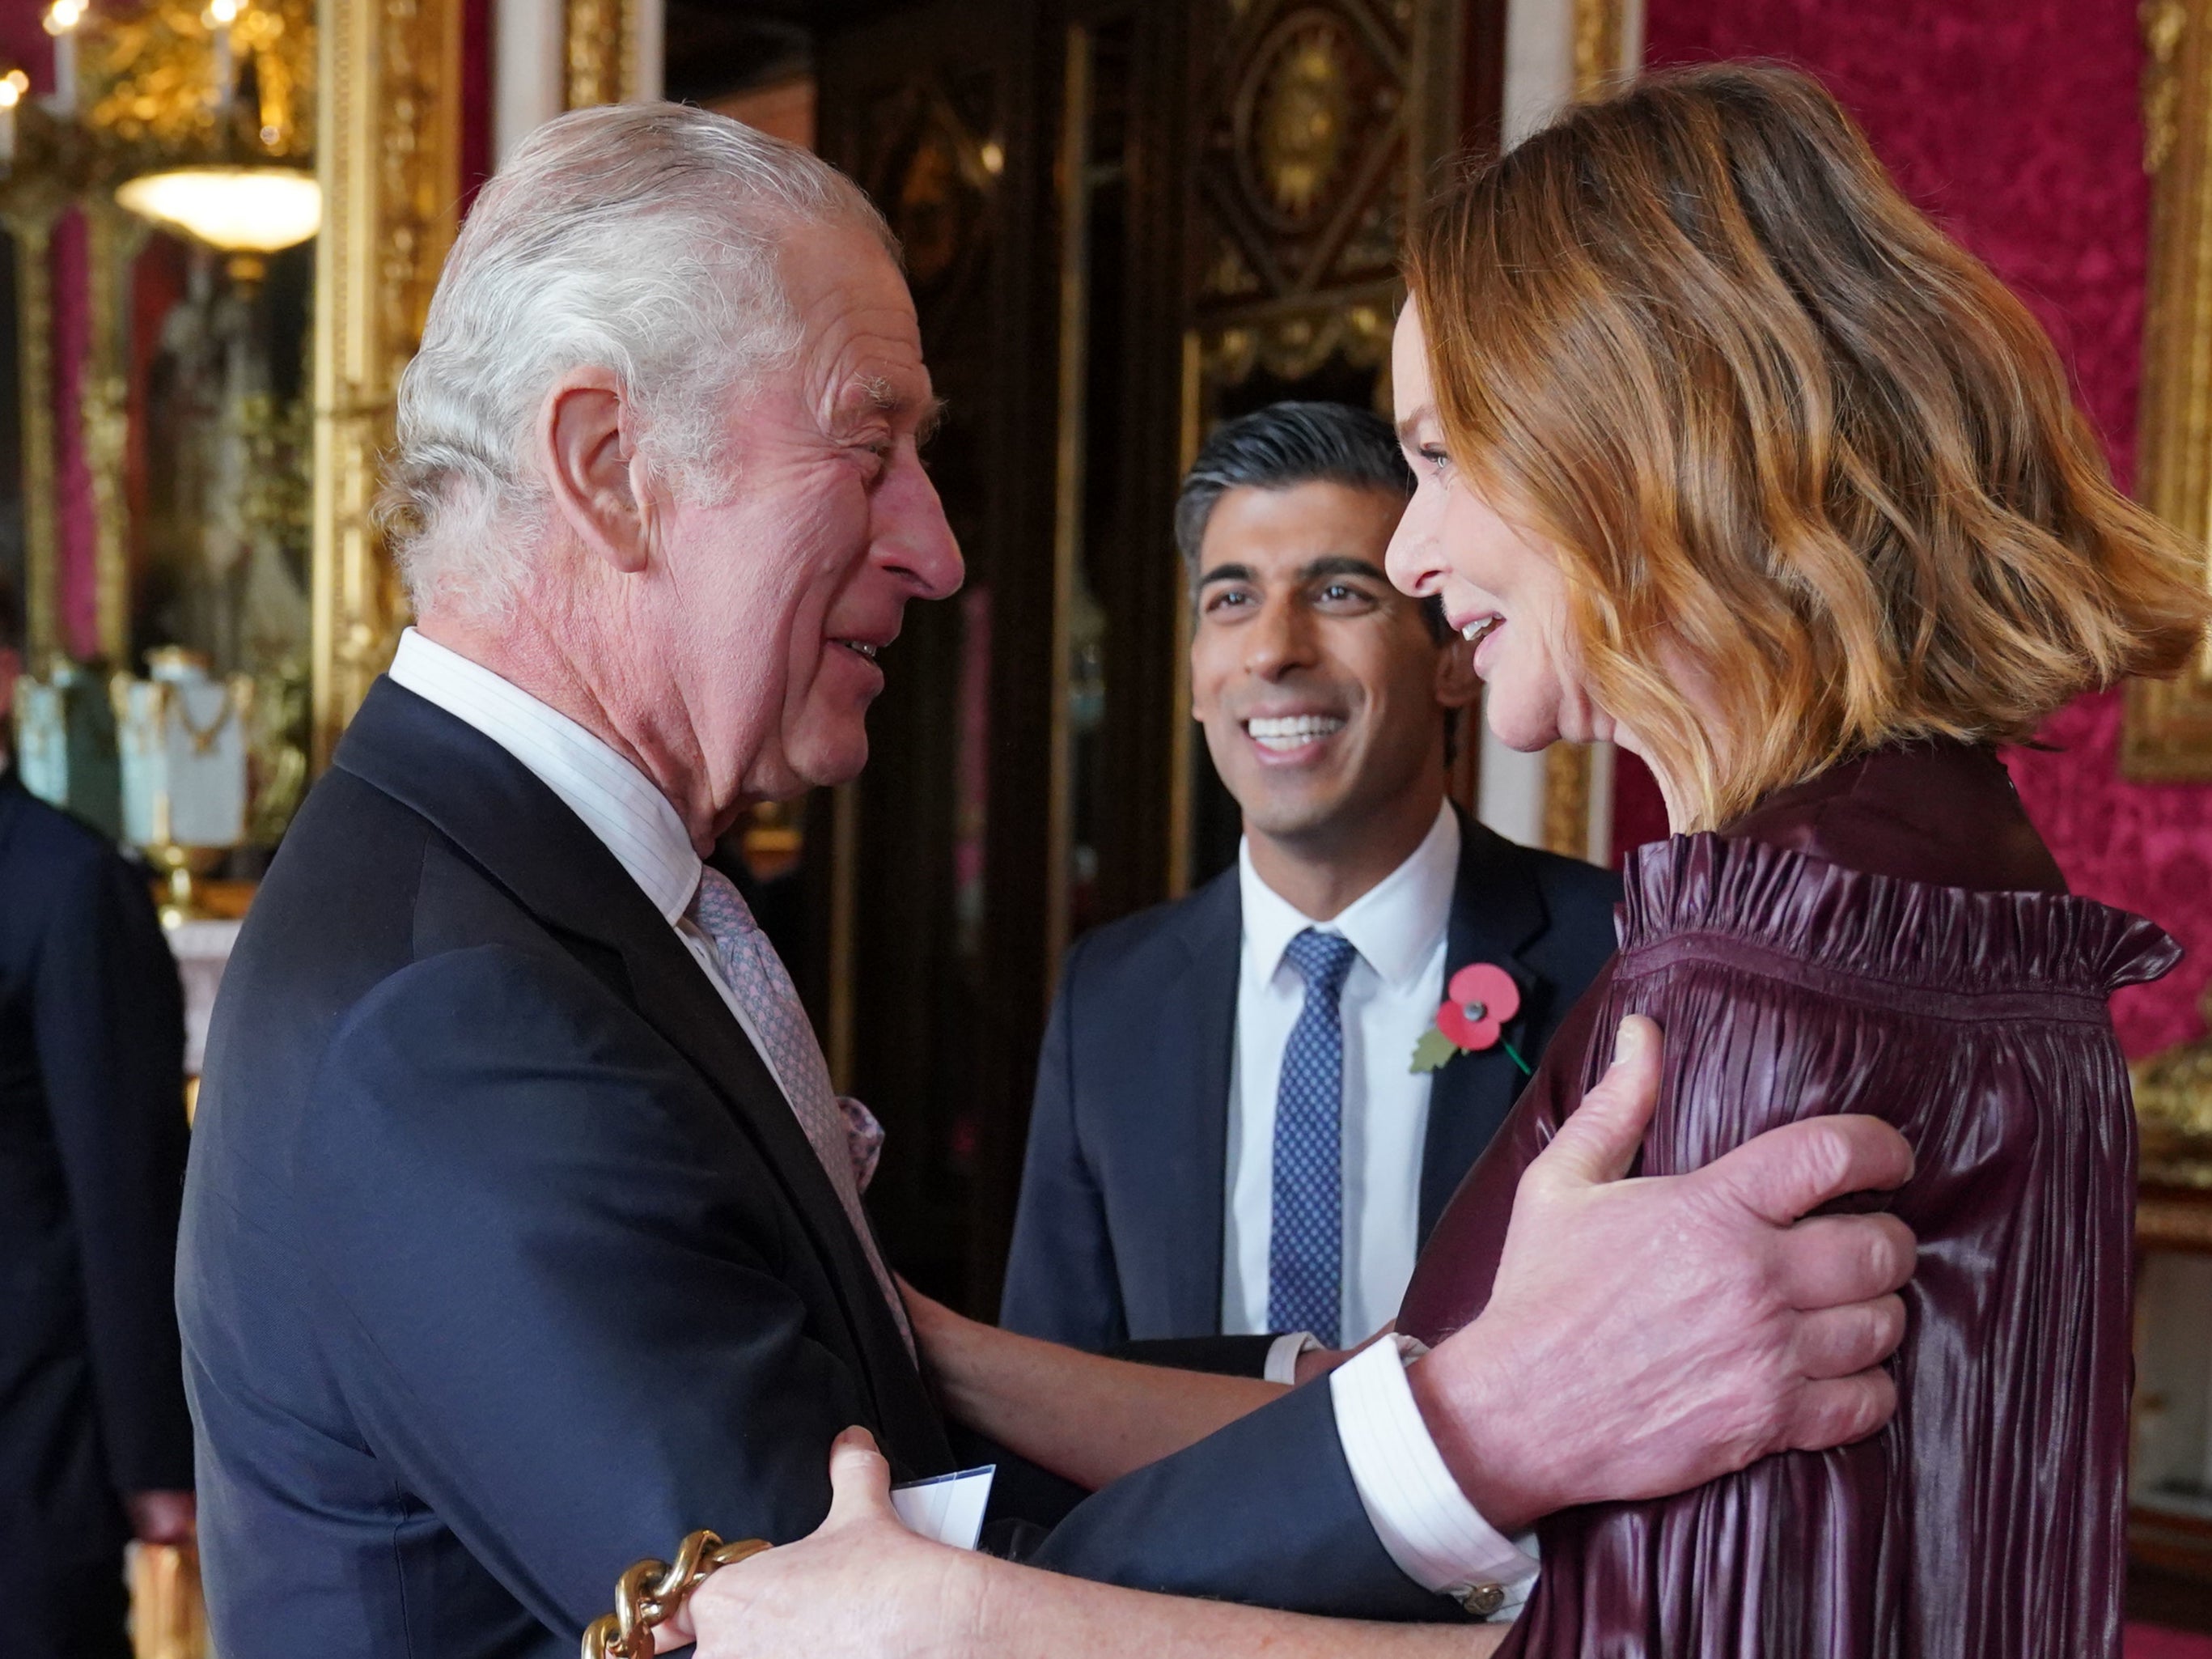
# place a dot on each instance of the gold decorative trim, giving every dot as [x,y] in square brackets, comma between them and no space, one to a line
[1602,48]
[2173,1110]
[2180,1221]
[600,56]
[2169,729]
[32,233]
[112,239]
[388,153]
[1567,799]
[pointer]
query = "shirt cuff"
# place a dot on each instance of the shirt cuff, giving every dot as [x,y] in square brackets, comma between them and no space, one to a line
[1283,1356]
[1425,1523]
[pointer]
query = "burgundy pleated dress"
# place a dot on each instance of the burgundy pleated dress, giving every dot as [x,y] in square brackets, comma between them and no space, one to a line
[1892,938]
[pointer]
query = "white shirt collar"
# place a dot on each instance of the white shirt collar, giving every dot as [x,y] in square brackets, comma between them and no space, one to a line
[1396,926]
[617,802]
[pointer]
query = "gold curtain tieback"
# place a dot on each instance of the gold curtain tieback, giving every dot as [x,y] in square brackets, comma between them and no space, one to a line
[653,1592]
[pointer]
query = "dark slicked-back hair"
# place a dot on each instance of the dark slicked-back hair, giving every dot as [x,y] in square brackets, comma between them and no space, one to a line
[11,614]
[1281,446]
[1289,444]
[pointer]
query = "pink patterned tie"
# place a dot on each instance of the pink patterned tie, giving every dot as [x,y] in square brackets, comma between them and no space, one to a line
[844,1134]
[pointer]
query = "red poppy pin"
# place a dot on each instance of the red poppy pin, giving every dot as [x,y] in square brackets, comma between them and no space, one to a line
[1477,1001]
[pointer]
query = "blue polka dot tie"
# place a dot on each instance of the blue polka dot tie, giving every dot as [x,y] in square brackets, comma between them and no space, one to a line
[1306,1247]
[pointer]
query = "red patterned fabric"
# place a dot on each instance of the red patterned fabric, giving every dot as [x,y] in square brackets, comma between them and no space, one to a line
[2016,123]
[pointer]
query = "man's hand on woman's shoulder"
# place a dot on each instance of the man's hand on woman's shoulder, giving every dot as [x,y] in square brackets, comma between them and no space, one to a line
[1646,1336]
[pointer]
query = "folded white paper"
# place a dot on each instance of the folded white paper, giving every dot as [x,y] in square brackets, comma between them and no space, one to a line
[948,1508]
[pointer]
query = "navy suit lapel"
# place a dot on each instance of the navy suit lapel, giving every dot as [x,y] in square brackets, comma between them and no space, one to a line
[1497,911]
[1190,1100]
[521,834]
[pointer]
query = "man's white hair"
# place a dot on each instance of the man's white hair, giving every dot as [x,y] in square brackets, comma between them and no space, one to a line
[640,238]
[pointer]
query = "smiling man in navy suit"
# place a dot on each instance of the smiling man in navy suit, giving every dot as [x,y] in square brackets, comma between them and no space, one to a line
[1232,1162]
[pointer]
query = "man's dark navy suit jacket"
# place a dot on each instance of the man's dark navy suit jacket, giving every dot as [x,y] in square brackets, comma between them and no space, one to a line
[92,1161]
[505,1261]
[1119,1236]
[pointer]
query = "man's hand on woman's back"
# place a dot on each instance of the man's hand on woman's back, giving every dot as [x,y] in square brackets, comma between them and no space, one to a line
[1646,1336]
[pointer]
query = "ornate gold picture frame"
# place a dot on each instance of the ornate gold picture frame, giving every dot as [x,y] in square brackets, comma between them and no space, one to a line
[2169,728]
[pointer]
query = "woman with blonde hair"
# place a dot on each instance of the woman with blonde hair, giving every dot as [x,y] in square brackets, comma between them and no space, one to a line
[1733,458]
[1728,455]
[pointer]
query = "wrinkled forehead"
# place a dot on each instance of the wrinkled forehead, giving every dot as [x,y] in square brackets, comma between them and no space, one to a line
[859,349]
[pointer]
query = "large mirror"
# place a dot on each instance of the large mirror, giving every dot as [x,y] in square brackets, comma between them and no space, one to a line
[162,214]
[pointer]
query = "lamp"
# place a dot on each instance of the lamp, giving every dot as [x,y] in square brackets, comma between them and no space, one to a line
[244,199]
[237,209]
[199,119]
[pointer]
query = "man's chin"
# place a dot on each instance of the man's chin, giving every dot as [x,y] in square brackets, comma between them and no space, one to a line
[831,763]
[1293,818]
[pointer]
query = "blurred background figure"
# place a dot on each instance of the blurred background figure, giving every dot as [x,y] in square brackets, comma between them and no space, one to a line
[1235,1153]
[96,1446]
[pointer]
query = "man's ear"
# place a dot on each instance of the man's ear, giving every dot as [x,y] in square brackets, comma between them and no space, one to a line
[600,485]
[1458,686]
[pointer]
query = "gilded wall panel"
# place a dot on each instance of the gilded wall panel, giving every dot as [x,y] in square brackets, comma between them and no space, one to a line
[389,158]
[2169,731]
[602,51]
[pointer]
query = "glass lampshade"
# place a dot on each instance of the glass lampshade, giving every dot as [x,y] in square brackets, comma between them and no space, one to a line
[239,210]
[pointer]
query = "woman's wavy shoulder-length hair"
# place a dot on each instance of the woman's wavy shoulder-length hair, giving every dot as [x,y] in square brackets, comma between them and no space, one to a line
[1783,432]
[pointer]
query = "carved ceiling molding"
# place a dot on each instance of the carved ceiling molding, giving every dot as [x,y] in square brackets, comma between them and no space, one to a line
[1320,122]
[1314,113]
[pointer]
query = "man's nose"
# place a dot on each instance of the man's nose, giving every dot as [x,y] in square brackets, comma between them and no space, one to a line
[1278,639]
[912,538]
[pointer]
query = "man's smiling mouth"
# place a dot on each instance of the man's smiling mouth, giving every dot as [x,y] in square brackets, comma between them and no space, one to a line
[1283,733]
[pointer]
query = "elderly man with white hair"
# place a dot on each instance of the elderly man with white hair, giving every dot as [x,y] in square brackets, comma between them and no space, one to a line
[524,1231]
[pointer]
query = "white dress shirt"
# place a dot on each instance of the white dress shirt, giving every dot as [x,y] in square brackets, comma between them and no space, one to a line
[1389,997]
[1422,1520]
[615,801]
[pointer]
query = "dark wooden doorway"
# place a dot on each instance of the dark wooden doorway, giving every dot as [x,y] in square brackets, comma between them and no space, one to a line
[1123,220]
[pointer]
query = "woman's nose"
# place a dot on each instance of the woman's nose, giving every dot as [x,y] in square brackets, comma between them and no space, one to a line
[1413,560]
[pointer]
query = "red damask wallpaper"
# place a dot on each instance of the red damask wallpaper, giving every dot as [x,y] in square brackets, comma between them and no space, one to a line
[2016,123]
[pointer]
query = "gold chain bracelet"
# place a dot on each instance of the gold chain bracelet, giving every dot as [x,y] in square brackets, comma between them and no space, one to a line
[653,1592]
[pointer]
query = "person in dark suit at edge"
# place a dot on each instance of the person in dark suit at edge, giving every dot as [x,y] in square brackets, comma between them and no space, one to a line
[95,1443]
[1232,1167]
